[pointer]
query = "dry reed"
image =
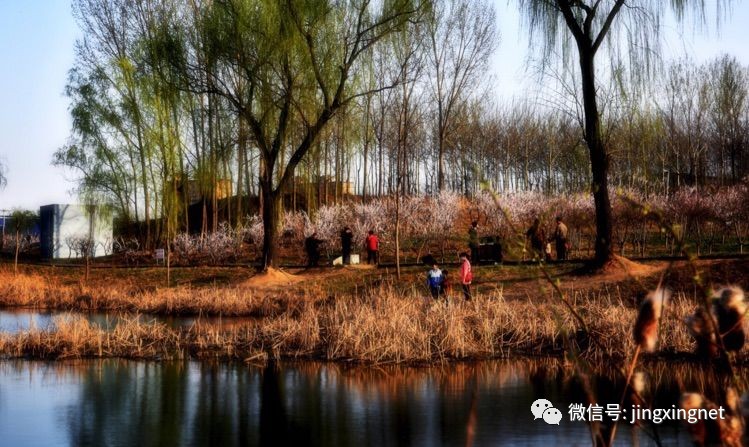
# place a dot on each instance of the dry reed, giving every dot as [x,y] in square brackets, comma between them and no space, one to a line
[377,326]
[122,295]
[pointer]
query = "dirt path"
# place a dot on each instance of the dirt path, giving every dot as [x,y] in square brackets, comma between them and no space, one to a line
[516,282]
[275,279]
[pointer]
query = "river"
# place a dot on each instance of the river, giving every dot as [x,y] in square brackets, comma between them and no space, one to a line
[136,403]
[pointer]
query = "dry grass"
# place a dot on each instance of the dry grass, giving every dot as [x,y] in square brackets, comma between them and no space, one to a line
[378,326]
[38,291]
[74,336]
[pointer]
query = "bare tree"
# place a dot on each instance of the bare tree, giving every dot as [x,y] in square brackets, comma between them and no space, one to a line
[729,88]
[462,37]
[684,106]
[589,24]
[22,220]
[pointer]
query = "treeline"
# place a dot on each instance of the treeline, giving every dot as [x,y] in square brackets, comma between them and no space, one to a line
[688,219]
[174,100]
[689,128]
[208,103]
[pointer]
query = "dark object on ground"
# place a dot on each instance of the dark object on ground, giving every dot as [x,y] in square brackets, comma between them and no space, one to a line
[489,250]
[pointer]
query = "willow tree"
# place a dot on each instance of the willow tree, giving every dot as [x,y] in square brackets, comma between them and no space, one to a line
[295,62]
[630,27]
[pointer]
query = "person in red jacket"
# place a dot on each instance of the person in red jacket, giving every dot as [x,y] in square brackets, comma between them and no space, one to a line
[466,275]
[372,244]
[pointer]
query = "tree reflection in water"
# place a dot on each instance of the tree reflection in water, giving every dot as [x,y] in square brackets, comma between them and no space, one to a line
[117,402]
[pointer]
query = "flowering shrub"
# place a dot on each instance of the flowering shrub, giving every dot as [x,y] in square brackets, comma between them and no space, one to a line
[328,221]
[295,227]
[215,247]
[689,207]
[437,220]
[254,229]
[442,212]
[372,215]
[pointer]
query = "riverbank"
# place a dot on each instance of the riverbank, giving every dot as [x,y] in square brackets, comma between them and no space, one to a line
[377,327]
[346,315]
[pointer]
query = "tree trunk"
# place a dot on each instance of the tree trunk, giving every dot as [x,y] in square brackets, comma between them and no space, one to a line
[397,234]
[15,262]
[168,264]
[599,159]
[271,207]
[366,149]
[241,155]
[261,173]
[441,156]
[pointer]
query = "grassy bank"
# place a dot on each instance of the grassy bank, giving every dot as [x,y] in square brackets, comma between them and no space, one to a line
[211,291]
[49,290]
[349,315]
[378,326]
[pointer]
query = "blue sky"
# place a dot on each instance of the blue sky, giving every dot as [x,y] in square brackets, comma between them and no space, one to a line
[36,51]
[37,40]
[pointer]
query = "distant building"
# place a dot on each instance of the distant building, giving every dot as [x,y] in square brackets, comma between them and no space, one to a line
[65,229]
[323,186]
[223,190]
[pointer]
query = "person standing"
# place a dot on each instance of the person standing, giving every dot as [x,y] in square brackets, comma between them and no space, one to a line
[312,247]
[537,238]
[466,275]
[560,239]
[372,244]
[473,240]
[347,237]
[435,280]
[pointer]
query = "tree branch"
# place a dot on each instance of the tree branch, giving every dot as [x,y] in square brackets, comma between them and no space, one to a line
[607,24]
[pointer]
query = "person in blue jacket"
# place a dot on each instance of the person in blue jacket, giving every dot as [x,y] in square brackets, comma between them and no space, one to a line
[435,280]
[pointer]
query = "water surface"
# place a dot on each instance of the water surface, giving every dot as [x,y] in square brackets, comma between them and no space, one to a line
[126,403]
[18,320]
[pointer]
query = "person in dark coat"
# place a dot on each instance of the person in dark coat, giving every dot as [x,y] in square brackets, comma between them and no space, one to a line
[560,239]
[537,238]
[312,247]
[347,238]
[473,240]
